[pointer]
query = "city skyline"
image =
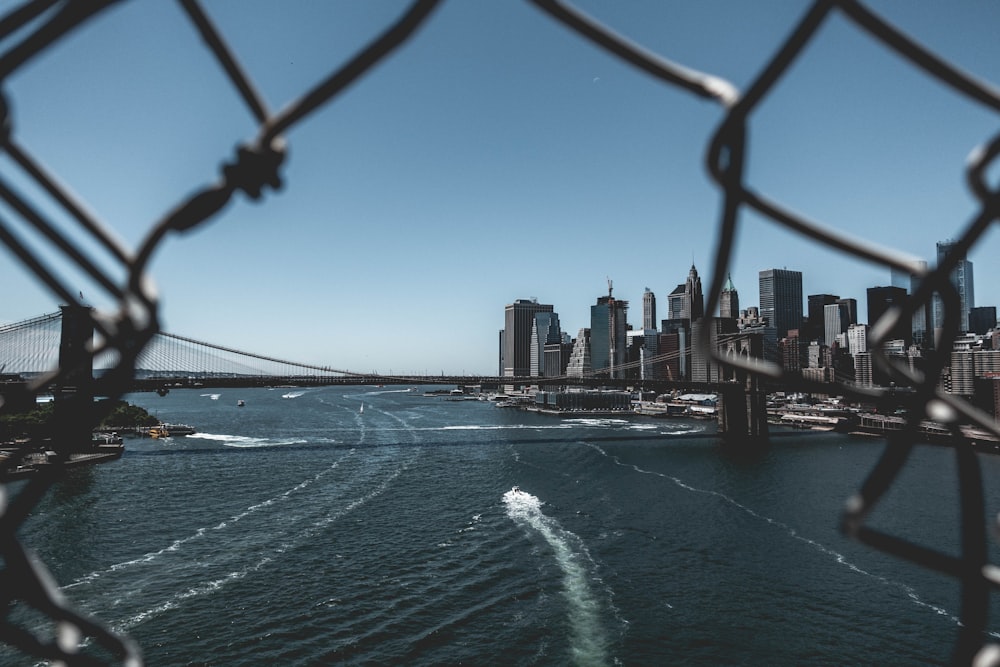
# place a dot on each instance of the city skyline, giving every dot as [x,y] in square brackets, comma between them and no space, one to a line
[822,337]
[859,314]
[467,170]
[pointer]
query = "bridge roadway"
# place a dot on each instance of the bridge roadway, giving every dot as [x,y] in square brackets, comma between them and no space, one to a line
[486,382]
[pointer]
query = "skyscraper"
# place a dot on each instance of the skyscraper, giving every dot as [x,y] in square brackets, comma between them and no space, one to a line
[729,300]
[608,329]
[880,300]
[687,302]
[781,299]
[676,302]
[817,328]
[837,318]
[921,318]
[693,298]
[519,319]
[545,330]
[703,367]
[857,338]
[834,323]
[648,310]
[675,347]
[961,278]
[579,358]
[851,308]
[982,319]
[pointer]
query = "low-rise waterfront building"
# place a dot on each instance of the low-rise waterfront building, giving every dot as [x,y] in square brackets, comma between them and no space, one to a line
[578,401]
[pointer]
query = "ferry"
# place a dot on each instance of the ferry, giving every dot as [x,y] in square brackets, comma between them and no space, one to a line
[179,429]
[168,430]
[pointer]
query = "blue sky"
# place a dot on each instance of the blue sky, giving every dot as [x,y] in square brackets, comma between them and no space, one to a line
[495,156]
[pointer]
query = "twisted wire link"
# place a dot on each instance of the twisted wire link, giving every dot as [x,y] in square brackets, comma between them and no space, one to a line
[725,160]
[256,167]
[124,334]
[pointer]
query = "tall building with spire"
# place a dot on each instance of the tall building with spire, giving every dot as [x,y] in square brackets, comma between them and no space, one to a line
[693,297]
[608,334]
[649,310]
[729,300]
[687,302]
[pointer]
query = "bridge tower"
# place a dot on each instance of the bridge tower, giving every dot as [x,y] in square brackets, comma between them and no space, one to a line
[743,412]
[74,393]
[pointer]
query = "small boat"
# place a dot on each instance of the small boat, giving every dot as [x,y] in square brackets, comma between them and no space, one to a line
[362,410]
[516,489]
[101,439]
[240,403]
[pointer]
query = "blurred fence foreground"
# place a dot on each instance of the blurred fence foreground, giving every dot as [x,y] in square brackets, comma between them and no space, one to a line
[37,621]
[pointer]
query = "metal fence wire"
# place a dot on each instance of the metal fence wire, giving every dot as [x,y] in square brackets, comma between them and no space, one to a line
[51,630]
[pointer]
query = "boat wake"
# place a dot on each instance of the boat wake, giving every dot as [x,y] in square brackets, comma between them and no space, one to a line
[293,394]
[202,532]
[247,442]
[194,566]
[492,427]
[588,637]
[597,421]
[664,427]
[386,391]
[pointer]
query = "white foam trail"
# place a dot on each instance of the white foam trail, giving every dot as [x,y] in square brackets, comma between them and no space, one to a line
[293,394]
[212,586]
[588,638]
[910,592]
[205,588]
[479,427]
[509,427]
[246,441]
[201,532]
[596,421]
[214,397]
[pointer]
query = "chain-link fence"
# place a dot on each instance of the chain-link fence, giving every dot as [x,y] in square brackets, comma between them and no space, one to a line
[34,26]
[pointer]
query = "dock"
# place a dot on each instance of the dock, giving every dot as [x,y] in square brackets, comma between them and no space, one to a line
[18,464]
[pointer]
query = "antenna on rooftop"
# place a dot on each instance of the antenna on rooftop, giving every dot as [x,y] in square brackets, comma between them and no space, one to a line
[609,287]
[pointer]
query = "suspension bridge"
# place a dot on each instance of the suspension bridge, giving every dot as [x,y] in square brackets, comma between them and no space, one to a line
[30,349]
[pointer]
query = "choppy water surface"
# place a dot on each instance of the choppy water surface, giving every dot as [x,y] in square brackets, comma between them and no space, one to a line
[303,530]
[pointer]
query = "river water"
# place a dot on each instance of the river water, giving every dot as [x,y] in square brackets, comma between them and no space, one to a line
[301,529]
